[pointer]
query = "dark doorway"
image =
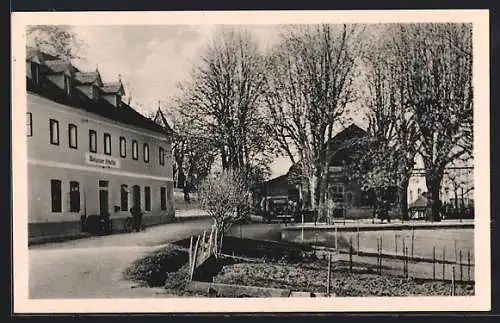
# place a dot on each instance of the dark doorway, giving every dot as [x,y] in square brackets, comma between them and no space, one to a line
[136,193]
[103,197]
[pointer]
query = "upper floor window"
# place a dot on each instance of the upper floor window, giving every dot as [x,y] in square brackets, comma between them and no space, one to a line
[54,131]
[107,144]
[135,150]
[92,141]
[162,156]
[73,136]
[35,73]
[123,147]
[67,84]
[146,153]
[29,124]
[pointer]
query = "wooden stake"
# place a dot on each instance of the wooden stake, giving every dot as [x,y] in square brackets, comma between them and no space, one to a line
[350,255]
[460,264]
[336,240]
[444,261]
[453,281]
[434,262]
[406,260]
[456,253]
[468,264]
[210,239]
[358,241]
[195,255]
[191,252]
[395,243]
[412,240]
[329,280]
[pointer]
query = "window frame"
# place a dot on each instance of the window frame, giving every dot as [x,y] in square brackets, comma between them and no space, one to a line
[92,134]
[147,198]
[29,124]
[70,127]
[124,197]
[145,152]
[107,136]
[123,152]
[163,198]
[161,154]
[135,150]
[51,131]
[71,186]
[56,203]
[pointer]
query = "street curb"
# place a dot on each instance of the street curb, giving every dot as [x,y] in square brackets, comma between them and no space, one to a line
[61,238]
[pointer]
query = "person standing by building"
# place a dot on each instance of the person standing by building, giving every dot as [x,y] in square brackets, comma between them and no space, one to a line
[137,216]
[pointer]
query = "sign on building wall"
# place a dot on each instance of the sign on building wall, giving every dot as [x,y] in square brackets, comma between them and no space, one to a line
[102,160]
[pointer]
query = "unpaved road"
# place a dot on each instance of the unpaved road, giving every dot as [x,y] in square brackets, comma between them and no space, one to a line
[92,267]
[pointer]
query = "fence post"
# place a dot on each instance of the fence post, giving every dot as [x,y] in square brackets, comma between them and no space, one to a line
[395,243]
[403,251]
[358,241]
[195,254]
[444,261]
[350,255]
[434,262]
[191,252]
[412,241]
[203,241]
[468,264]
[329,280]
[336,245]
[456,253]
[460,264]
[380,258]
[406,262]
[453,281]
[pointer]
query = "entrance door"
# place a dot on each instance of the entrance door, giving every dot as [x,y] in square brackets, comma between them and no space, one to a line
[103,197]
[136,194]
[103,201]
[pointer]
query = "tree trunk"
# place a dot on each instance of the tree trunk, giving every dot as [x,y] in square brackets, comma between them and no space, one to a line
[434,188]
[312,191]
[403,200]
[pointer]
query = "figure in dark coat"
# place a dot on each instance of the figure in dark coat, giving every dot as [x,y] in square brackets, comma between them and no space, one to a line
[137,216]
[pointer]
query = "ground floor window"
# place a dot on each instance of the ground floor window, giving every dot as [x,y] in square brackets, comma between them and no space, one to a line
[163,198]
[124,198]
[136,191]
[74,196]
[55,191]
[147,197]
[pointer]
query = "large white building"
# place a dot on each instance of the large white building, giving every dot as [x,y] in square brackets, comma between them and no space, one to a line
[89,152]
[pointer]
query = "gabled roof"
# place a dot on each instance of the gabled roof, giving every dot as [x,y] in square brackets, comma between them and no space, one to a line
[113,88]
[350,132]
[33,54]
[59,66]
[160,119]
[88,78]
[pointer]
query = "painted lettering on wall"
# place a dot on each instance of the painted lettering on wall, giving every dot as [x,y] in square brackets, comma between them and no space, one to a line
[102,160]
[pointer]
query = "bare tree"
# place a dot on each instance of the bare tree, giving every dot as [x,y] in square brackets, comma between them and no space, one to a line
[310,84]
[226,199]
[58,40]
[222,101]
[389,154]
[436,64]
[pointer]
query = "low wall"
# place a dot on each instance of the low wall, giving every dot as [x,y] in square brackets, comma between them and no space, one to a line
[229,290]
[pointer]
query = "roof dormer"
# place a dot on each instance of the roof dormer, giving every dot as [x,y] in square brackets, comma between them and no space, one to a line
[89,83]
[113,92]
[60,72]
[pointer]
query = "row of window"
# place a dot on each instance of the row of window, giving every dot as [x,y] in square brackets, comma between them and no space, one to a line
[74,196]
[73,141]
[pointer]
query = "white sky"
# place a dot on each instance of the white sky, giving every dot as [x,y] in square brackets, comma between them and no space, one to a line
[152,60]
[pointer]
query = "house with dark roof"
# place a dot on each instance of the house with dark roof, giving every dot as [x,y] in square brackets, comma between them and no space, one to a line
[90,155]
[343,195]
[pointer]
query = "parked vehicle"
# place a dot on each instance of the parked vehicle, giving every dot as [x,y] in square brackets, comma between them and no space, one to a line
[276,208]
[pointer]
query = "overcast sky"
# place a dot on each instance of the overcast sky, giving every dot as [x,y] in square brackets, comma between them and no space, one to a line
[152,60]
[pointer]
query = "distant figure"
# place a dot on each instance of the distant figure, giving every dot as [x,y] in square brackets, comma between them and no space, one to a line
[137,216]
[187,198]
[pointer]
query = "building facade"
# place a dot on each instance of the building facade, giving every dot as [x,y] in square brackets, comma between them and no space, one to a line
[89,153]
